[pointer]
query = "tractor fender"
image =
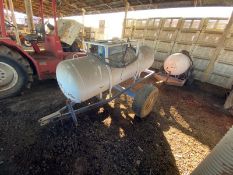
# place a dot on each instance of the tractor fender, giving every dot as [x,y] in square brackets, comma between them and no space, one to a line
[13,45]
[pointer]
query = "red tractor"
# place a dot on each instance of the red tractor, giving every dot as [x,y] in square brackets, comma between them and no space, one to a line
[18,67]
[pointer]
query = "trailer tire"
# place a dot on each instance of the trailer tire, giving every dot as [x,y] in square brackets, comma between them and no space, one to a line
[144,100]
[13,77]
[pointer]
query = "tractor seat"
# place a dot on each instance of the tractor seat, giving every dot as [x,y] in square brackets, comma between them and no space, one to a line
[31,37]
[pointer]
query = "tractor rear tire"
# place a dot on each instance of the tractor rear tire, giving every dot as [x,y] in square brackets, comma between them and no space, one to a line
[144,100]
[13,78]
[18,68]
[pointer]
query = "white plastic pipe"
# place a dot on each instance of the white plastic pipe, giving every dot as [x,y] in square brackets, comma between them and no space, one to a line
[84,78]
[220,160]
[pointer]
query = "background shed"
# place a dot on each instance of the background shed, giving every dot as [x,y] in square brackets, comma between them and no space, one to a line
[208,40]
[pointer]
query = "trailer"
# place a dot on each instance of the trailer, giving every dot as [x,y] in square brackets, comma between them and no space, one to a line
[107,64]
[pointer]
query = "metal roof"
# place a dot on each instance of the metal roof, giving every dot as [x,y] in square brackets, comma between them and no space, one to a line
[73,7]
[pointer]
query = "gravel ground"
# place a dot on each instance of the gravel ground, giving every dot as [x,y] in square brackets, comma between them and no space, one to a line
[185,125]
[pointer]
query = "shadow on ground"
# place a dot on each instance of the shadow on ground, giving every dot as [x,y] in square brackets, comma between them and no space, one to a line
[196,113]
[108,140]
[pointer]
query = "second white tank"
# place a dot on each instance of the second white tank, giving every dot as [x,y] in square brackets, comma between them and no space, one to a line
[177,64]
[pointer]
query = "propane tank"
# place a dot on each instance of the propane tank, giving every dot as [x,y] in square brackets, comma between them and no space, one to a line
[84,78]
[177,64]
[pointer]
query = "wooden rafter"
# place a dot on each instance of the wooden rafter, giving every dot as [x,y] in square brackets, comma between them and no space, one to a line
[73,7]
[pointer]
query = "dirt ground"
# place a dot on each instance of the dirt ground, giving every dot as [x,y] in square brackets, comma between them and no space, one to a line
[185,125]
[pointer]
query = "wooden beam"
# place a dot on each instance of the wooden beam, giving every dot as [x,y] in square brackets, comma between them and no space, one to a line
[83,21]
[139,2]
[117,5]
[126,12]
[7,10]
[220,46]
[84,5]
[28,8]
[11,6]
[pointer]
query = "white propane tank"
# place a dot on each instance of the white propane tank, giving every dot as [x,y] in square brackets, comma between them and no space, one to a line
[84,78]
[177,64]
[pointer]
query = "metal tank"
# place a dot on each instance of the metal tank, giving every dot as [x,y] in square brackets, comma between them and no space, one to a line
[84,78]
[176,70]
[177,64]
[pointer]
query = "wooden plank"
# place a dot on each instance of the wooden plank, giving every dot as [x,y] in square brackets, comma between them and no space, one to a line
[7,10]
[28,8]
[124,23]
[178,28]
[83,31]
[218,49]
[14,21]
[104,6]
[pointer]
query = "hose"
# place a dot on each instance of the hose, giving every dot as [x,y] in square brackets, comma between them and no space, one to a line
[128,57]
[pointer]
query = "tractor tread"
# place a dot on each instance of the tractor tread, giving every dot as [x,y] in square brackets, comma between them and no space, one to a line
[21,60]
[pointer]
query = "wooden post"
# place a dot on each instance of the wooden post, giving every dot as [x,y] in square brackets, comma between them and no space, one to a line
[126,12]
[198,33]
[217,51]
[83,20]
[177,32]
[54,9]
[132,29]
[29,12]
[14,22]
[2,20]
[7,10]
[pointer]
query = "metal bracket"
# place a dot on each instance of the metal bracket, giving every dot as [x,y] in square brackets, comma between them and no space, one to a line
[72,113]
[128,92]
[48,118]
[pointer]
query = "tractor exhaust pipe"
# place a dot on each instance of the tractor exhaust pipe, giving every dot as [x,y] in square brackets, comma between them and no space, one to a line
[220,160]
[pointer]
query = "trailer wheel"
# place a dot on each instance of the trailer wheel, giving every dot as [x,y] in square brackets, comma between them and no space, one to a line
[13,77]
[144,100]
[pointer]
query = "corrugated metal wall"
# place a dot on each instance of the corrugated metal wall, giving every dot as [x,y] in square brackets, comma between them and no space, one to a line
[199,36]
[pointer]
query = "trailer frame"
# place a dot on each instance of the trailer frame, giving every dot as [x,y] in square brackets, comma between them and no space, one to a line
[73,113]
